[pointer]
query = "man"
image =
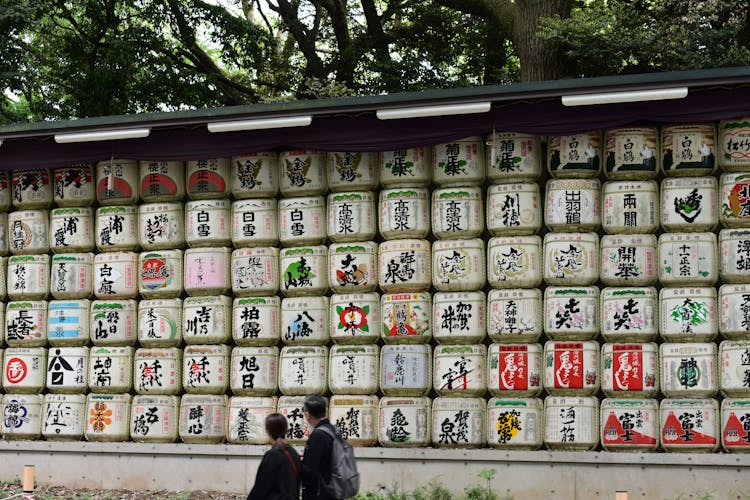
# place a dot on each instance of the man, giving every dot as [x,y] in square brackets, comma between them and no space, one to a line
[316,463]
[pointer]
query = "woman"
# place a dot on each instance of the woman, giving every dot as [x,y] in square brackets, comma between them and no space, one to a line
[278,473]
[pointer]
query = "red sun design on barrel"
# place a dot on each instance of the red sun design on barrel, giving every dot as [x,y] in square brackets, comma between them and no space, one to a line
[15,370]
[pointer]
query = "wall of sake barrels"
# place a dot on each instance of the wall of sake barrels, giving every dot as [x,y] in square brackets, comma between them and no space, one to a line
[586,292]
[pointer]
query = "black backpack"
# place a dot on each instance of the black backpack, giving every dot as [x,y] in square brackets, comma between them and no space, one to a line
[344,481]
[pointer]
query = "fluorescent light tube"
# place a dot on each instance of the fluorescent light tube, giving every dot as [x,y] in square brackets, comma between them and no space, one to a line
[260,123]
[443,110]
[102,135]
[628,96]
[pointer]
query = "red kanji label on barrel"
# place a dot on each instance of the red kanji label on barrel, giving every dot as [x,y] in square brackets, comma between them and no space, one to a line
[513,369]
[626,428]
[735,432]
[627,368]
[569,366]
[684,427]
[16,370]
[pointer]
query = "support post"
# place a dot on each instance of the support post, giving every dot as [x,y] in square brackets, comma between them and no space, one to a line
[28,482]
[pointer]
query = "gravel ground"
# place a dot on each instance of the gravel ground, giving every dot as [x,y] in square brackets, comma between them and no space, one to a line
[42,492]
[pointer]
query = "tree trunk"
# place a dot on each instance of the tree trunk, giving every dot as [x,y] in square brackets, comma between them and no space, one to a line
[540,59]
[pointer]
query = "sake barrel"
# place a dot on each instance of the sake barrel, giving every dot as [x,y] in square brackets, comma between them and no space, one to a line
[514,262]
[573,205]
[162,181]
[298,428]
[406,370]
[404,213]
[74,185]
[72,276]
[256,321]
[255,175]
[571,368]
[630,370]
[458,265]
[4,232]
[515,423]
[206,369]
[514,209]
[116,228]
[629,424]
[254,371]
[630,207]
[734,304]
[304,320]
[458,422]
[117,182]
[32,188]
[207,320]
[734,209]
[689,204]
[303,172]
[161,226]
[406,317]
[304,270]
[303,370]
[302,221]
[208,223]
[513,156]
[355,318]
[688,314]
[460,370]
[351,216]
[352,267]
[688,259]
[461,162]
[114,322]
[160,322]
[115,275]
[404,265]
[24,370]
[154,418]
[688,149]
[355,418]
[107,417]
[734,434]
[67,370]
[571,259]
[406,167]
[734,371]
[690,425]
[71,229]
[575,155]
[22,416]
[5,190]
[28,277]
[26,323]
[457,213]
[207,271]
[515,315]
[110,370]
[632,152]
[353,369]
[255,271]
[157,372]
[629,314]
[255,222]
[208,179]
[734,255]
[69,322]
[571,422]
[572,313]
[160,274]
[514,370]
[459,317]
[688,370]
[28,232]
[628,260]
[349,171]
[734,137]
[64,417]
[404,422]
[247,416]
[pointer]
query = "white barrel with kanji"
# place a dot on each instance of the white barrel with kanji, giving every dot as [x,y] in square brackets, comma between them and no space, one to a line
[734,203]
[405,422]
[67,370]
[303,370]
[154,418]
[404,213]
[255,271]
[571,422]
[206,369]
[515,423]
[459,317]
[158,371]
[514,370]
[160,274]
[208,223]
[735,434]
[304,270]
[303,172]
[734,371]
[355,418]
[207,271]
[255,222]
[458,422]
[572,313]
[514,262]
[352,216]
[406,317]
[689,149]
[254,371]
[208,178]
[107,417]
[116,275]
[256,321]
[64,417]
[304,320]
[458,265]
[32,188]
[688,314]
[28,277]
[348,171]
[690,425]
[514,209]
[302,221]
[117,182]
[24,370]
[688,259]
[160,322]
[513,156]
[461,162]
[353,369]
[689,204]
[575,155]
[406,370]
[460,370]
[353,267]
[734,307]
[355,318]
[298,428]
[688,369]
[571,259]
[630,207]
[161,226]
[405,266]
[406,167]
[630,370]
[255,175]
[114,322]
[22,416]
[162,181]
[110,369]
[632,152]
[629,424]
[71,229]
[734,255]
[74,185]
[629,314]
[207,320]
[116,229]
[28,232]
[72,276]
[573,205]
[628,260]
[733,137]
[457,213]
[247,417]
[26,323]
[515,315]
[571,368]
